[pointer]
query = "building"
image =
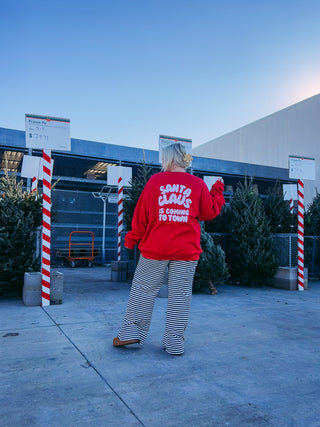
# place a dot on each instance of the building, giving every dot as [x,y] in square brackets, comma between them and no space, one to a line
[83,171]
[293,131]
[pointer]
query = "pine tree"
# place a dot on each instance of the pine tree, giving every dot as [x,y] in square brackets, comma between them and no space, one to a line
[137,185]
[20,214]
[220,224]
[278,212]
[211,269]
[250,251]
[312,217]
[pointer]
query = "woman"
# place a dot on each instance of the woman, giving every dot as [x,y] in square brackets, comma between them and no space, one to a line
[166,223]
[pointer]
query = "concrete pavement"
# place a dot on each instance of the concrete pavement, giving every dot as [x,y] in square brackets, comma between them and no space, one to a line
[251,359]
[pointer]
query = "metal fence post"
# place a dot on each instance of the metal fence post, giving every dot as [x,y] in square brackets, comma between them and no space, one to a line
[290,252]
[313,254]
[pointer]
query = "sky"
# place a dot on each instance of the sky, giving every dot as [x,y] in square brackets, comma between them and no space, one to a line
[126,71]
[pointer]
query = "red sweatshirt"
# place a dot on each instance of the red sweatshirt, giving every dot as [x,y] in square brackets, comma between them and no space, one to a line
[166,218]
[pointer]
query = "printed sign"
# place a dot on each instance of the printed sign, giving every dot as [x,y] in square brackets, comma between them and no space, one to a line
[48,133]
[166,140]
[290,191]
[210,180]
[32,166]
[113,173]
[113,198]
[302,168]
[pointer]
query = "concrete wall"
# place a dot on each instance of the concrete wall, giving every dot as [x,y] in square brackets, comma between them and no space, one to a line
[269,141]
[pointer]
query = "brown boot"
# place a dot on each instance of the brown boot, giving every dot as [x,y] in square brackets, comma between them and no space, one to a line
[119,343]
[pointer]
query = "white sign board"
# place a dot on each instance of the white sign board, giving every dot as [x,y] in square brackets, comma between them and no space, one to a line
[302,168]
[113,198]
[290,192]
[166,140]
[210,180]
[114,172]
[32,166]
[49,133]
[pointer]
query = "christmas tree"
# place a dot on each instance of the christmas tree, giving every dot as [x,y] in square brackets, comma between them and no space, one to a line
[211,269]
[250,251]
[137,185]
[220,224]
[278,212]
[20,215]
[312,217]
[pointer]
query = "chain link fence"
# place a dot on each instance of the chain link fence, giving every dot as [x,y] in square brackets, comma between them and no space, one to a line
[312,256]
[80,211]
[286,248]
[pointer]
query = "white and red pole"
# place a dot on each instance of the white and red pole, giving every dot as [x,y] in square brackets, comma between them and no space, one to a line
[291,206]
[46,227]
[34,185]
[120,214]
[300,235]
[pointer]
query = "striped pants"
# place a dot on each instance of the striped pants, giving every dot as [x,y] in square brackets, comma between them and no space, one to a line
[148,278]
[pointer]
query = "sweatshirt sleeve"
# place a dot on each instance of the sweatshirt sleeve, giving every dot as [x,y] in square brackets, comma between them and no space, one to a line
[211,202]
[139,222]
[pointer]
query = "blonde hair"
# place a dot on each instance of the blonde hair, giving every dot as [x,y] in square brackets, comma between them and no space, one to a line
[175,154]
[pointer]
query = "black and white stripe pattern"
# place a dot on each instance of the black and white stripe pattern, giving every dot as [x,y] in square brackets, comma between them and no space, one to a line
[146,284]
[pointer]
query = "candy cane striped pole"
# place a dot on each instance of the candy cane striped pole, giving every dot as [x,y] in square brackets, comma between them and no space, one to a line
[34,185]
[46,227]
[291,206]
[300,235]
[120,215]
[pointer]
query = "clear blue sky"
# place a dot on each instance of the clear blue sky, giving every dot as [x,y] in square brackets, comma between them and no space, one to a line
[125,71]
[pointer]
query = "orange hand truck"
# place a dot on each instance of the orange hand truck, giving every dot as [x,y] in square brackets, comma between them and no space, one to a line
[81,250]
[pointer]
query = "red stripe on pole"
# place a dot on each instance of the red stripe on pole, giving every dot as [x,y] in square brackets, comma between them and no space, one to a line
[46,170]
[46,250]
[34,184]
[45,295]
[46,184]
[46,238]
[46,157]
[46,212]
[46,225]
[46,283]
[46,198]
[45,272]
